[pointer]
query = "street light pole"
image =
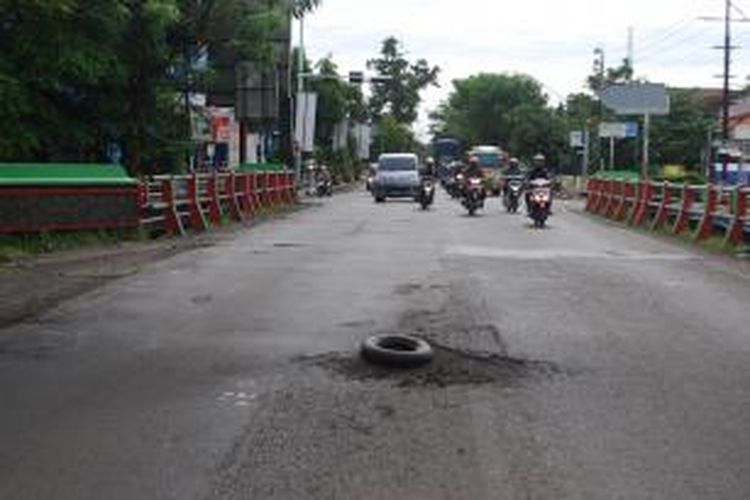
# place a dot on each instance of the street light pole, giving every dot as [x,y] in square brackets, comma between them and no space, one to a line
[297,147]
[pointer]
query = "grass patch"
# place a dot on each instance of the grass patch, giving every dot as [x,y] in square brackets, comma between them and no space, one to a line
[14,247]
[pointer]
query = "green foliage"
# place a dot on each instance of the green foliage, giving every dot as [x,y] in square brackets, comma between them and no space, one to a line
[503,109]
[393,137]
[680,137]
[57,57]
[333,100]
[599,80]
[14,247]
[399,96]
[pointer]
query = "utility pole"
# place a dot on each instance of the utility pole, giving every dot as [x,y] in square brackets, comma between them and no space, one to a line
[586,150]
[631,51]
[600,68]
[298,101]
[727,69]
[727,48]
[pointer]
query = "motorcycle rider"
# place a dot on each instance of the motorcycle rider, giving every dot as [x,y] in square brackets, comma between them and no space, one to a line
[539,171]
[473,169]
[429,168]
[513,170]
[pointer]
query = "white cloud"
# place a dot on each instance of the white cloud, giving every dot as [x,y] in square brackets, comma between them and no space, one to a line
[551,40]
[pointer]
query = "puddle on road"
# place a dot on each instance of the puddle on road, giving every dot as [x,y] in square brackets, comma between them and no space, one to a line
[289,245]
[450,367]
[35,345]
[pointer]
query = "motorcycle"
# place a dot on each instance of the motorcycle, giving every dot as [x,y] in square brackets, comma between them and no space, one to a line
[455,187]
[512,195]
[426,194]
[539,201]
[370,181]
[323,187]
[474,195]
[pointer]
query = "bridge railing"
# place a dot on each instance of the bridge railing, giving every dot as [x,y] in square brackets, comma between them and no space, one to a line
[177,203]
[702,211]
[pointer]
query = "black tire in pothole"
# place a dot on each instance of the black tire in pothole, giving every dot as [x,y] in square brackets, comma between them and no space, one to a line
[400,351]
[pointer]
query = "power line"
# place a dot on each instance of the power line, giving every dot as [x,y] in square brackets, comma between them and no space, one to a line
[672,30]
[677,44]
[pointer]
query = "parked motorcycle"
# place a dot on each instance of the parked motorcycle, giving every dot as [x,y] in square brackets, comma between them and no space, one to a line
[324,187]
[513,192]
[539,200]
[474,195]
[426,194]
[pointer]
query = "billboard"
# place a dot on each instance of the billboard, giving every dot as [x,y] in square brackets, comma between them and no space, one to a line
[636,99]
[628,130]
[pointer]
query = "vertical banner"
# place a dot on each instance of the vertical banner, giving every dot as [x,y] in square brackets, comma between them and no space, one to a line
[307,104]
[341,135]
[363,136]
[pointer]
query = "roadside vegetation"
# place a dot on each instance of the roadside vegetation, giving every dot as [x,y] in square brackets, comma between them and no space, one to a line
[19,246]
[516,112]
[118,71]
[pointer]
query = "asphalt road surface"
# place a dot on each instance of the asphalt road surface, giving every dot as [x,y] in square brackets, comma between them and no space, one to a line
[581,361]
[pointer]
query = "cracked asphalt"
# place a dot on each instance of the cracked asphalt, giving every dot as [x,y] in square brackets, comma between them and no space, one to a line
[582,361]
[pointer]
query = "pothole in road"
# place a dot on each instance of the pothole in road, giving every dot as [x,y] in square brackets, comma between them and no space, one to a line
[449,367]
[289,245]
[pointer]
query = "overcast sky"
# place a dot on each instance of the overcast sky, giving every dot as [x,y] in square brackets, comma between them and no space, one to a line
[551,40]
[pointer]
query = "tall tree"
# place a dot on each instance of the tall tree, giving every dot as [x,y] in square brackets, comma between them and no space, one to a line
[399,96]
[58,90]
[681,136]
[113,70]
[503,109]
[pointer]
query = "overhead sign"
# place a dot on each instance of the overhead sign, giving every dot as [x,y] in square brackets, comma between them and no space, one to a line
[636,99]
[576,139]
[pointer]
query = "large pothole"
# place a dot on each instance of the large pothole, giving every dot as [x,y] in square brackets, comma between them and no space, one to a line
[448,368]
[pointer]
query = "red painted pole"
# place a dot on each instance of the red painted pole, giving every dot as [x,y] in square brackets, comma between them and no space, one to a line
[214,205]
[736,231]
[706,226]
[172,221]
[197,219]
[230,192]
[682,222]
[662,213]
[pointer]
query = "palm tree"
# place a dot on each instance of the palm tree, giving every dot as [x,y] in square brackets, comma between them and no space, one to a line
[301,7]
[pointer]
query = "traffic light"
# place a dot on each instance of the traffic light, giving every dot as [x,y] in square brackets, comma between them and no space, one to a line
[356,77]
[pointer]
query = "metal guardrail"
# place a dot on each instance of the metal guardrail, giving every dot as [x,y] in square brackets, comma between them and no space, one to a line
[702,210]
[197,201]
